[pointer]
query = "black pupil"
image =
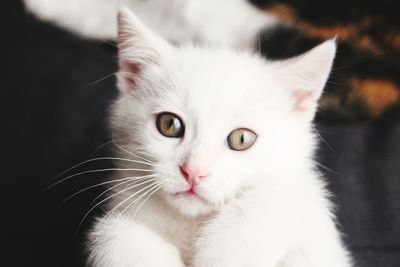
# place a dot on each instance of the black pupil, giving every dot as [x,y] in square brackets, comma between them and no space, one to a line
[171,122]
[242,139]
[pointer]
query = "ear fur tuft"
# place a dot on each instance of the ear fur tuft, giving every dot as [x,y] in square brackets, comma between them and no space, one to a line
[305,77]
[138,47]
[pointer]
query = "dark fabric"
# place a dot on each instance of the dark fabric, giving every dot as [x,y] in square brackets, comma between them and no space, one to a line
[363,161]
[53,116]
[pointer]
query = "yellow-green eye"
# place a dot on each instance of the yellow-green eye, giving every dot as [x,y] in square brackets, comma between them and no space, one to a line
[170,125]
[241,139]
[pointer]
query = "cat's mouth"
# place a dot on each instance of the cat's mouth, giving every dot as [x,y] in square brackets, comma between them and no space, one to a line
[192,194]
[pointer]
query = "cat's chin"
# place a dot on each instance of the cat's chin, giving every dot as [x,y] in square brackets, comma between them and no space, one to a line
[190,205]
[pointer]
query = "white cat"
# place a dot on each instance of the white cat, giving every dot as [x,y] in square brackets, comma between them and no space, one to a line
[222,152]
[234,23]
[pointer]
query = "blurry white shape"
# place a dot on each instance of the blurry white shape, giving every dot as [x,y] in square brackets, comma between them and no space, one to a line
[233,23]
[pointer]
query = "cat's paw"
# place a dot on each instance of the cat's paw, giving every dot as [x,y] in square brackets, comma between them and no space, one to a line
[121,242]
[223,243]
[224,255]
[237,237]
[236,254]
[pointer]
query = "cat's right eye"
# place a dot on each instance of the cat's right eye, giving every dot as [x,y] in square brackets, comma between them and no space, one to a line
[170,125]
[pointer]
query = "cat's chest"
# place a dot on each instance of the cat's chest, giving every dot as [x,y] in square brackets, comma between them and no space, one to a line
[176,229]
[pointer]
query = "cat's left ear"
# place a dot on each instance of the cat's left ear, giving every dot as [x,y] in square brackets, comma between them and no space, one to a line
[138,48]
[304,77]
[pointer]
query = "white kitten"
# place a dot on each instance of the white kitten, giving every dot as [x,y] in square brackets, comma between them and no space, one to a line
[225,140]
[233,23]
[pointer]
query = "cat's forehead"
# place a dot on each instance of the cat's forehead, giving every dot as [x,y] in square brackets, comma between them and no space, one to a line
[223,80]
[214,66]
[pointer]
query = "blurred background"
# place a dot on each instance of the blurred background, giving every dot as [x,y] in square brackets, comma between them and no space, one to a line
[57,86]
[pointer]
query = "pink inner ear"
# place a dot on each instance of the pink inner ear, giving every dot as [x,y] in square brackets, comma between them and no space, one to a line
[302,100]
[129,71]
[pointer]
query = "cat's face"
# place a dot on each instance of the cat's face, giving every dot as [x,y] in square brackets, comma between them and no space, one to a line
[213,122]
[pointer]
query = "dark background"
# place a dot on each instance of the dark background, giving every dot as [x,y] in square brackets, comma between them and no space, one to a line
[53,116]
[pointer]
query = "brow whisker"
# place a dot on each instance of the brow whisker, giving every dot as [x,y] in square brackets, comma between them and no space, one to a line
[100,147]
[324,167]
[323,140]
[99,80]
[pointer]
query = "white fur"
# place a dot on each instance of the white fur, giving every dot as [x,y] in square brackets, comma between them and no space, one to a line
[266,206]
[234,23]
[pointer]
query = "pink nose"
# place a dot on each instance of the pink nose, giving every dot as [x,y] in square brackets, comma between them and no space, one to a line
[192,175]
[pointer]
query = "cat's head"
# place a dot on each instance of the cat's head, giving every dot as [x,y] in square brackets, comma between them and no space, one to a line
[214,121]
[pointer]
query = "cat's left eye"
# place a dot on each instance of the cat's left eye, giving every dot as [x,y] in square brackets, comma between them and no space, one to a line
[241,139]
[170,125]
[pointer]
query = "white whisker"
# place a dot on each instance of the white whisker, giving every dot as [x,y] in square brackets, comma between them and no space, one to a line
[152,193]
[94,171]
[131,178]
[132,154]
[109,197]
[128,198]
[112,187]
[103,158]
[138,198]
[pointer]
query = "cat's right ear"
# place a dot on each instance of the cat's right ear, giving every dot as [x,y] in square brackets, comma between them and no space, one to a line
[138,47]
[304,78]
